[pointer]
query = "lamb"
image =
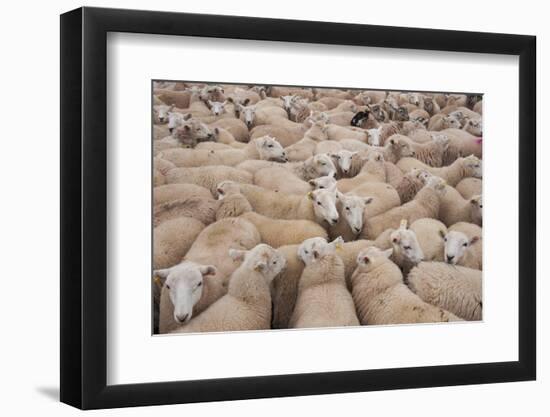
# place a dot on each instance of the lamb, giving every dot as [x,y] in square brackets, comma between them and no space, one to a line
[313,167]
[171,192]
[343,159]
[464,246]
[265,148]
[430,233]
[208,176]
[411,183]
[454,208]
[235,127]
[201,209]
[373,171]
[323,299]
[160,113]
[217,108]
[317,206]
[203,275]
[425,204]
[172,239]
[474,126]
[469,166]
[278,91]
[469,187]
[278,233]
[187,131]
[247,304]
[232,206]
[253,116]
[431,106]
[381,297]
[180,99]
[454,288]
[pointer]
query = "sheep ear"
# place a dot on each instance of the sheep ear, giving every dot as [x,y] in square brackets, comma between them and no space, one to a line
[474,240]
[246,101]
[339,195]
[186,127]
[312,183]
[208,270]
[368,200]
[230,99]
[237,255]
[316,254]
[393,142]
[187,116]
[310,196]
[387,253]
[338,243]
[217,130]
[333,174]
[442,234]
[260,266]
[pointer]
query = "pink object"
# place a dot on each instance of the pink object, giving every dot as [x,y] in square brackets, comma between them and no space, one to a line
[478,140]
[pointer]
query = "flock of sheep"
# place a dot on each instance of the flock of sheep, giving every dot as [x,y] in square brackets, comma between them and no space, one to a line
[282,207]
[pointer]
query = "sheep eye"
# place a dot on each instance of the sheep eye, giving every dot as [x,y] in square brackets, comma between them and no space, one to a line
[347,208]
[306,252]
[318,203]
[481,206]
[321,186]
[445,239]
[270,146]
[407,247]
[167,286]
[464,244]
[274,262]
[199,284]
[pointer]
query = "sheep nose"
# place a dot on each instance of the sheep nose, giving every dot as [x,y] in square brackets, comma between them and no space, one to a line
[170,129]
[450,258]
[181,317]
[334,220]
[161,119]
[357,230]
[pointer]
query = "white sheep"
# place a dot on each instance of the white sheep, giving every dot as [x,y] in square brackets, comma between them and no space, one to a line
[384,197]
[464,245]
[351,212]
[203,275]
[172,239]
[454,208]
[208,176]
[172,192]
[247,304]
[454,288]
[469,187]
[425,204]
[323,299]
[470,166]
[381,297]
[411,183]
[327,182]
[285,135]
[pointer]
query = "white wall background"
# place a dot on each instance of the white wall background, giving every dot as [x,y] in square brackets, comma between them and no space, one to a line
[29,160]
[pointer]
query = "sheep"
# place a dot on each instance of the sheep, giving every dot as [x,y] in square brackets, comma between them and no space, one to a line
[411,183]
[343,158]
[442,121]
[478,107]
[286,136]
[431,106]
[464,246]
[240,95]
[453,288]
[171,192]
[384,197]
[337,132]
[430,234]
[313,167]
[474,126]
[293,179]
[232,206]
[327,182]
[172,239]
[393,174]
[278,91]
[430,153]
[247,304]
[179,99]
[323,299]
[381,297]
[160,131]
[351,211]
[454,208]
[469,166]
[341,118]
[265,148]
[235,127]
[276,232]
[285,286]
[253,116]
[305,147]
[425,204]
[208,176]
[188,132]
[217,108]
[203,275]
[162,165]
[373,171]
[469,187]
[331,102]
[202,209]
[461,143]
[317,206]
[370,97]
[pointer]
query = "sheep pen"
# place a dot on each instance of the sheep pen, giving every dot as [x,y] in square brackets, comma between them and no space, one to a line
[278,207]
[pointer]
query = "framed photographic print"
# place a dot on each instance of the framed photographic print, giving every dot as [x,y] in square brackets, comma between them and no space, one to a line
[258,208]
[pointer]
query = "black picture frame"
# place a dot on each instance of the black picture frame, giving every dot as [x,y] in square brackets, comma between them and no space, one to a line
[84,207]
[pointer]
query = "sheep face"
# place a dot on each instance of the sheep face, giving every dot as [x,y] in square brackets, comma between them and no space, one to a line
[473,166]
[372,257]
[474,127]
[406,244]
[373,137]
[227,188]
[324,205]
[193,131]
[288,101]
[217,107]
[451,122]
[353,209]
[436,183]
[344,158]
[316,247]
[212,92]
[269,149]
[401,146]
[184,282]
[176,119]
[317,117]
[401,114]
[327,182]
[247,114]
[378,113]
[420,174]
[416,99]
[160,113]
[456,244]
[318,131]
[262,258]
[323,165]
[477,209]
